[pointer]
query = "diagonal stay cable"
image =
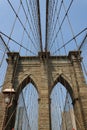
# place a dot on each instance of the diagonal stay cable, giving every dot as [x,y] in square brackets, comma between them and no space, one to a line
[82,43]
[33,25]
[71,28]
[6,49]
[25,109]
[36,18]
[52,42]
[53,28]
[46,33]
[39,23]
[32,21]
[33,18]
[52,9]
[22,24]
[12,29]
[62,38]
[32,30]
[50,16]
[4,43]
[73,35]
[58,14]
[14,24]
[27,20]
[70,40]
[23,36]
[18,43]
[54,12]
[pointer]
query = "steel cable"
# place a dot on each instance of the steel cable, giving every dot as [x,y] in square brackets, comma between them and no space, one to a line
[52,42]
[22,25]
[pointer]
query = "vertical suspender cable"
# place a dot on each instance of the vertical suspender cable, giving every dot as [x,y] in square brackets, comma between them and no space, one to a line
[46,33]
[39,22]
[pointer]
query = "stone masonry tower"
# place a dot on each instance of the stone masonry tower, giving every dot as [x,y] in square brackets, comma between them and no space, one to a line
[44,71]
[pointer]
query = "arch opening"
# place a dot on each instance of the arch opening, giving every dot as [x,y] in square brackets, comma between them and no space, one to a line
[62,112]
[24,83]
[27,109]
[65,82]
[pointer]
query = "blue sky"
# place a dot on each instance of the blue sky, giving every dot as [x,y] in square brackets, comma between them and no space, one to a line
[77,16]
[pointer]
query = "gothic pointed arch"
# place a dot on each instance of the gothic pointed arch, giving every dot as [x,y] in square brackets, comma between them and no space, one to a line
[23,83]
[65,81]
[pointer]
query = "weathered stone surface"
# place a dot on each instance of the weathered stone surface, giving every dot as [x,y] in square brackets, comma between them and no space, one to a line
[44,71]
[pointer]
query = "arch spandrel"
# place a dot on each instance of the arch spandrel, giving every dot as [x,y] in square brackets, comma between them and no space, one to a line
[65,81]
